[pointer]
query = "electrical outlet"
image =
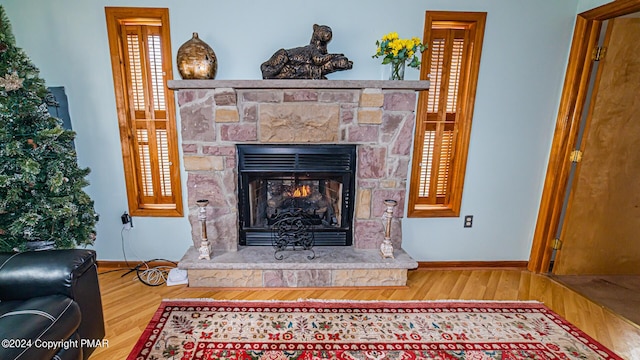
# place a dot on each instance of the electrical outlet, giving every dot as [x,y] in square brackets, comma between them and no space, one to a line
[468,221]
[127,221]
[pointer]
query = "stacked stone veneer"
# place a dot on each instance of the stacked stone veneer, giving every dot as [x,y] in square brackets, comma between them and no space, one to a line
[213,121]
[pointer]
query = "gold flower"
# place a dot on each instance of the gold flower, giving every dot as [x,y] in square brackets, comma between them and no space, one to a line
[11,82]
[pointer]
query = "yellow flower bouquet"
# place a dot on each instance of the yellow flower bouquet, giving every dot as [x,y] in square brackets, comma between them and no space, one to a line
[398,52]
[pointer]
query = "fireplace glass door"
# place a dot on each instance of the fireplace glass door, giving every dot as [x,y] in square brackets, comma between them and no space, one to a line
[312,182]
[318,198]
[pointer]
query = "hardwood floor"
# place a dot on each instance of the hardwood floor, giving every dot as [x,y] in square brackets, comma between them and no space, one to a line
[129,305]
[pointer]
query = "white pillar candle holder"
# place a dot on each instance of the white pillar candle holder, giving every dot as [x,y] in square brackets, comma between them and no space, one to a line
[386,248]
[205,247]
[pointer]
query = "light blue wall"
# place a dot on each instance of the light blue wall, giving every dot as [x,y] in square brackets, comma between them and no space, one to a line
[523,61]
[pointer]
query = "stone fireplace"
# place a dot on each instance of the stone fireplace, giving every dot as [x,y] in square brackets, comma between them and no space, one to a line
[375,118]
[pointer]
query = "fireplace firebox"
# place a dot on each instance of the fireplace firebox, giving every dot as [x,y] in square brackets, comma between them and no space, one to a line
[316,181]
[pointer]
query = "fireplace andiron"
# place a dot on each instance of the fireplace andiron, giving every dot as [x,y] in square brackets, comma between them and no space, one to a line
[205,250]
[292,229]
[386,248]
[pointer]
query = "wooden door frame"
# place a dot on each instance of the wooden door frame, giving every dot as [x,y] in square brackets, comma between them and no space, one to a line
[574,96]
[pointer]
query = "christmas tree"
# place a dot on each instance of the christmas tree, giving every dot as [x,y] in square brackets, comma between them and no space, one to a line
[41,185]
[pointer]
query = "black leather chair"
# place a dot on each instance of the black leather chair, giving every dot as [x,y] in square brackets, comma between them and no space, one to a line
[50,306]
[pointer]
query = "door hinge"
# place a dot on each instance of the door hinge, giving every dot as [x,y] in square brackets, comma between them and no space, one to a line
[575,156]
[598,53]
[556,244]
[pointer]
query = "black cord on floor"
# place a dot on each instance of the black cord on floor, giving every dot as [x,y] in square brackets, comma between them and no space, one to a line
[148,275]
[153,276]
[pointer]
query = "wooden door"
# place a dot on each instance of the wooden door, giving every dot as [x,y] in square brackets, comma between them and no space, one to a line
[600,234]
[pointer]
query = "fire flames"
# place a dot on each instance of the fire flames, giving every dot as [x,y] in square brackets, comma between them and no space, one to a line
[302,191]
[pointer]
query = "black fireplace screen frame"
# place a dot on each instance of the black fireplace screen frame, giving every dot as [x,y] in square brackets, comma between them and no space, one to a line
[295,161]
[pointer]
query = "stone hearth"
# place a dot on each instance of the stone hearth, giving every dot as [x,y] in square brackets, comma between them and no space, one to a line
[377,116]
[255,266]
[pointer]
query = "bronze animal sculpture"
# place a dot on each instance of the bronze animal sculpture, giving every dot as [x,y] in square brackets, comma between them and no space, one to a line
[306,62]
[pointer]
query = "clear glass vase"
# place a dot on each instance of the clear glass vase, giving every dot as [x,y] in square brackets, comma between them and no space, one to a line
[397,71]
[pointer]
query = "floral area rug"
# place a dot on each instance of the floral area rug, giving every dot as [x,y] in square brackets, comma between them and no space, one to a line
[317,329]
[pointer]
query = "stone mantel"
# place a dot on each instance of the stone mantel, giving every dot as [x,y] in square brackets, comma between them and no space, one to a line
[416,85]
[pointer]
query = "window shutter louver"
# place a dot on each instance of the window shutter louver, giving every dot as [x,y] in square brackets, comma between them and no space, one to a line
[427,161]
[155,68]
[145,162]
[163,160]
[437,61]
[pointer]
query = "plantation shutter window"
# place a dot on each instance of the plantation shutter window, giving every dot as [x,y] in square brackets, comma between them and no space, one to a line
[141,62]
[446,61]
[443,125]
